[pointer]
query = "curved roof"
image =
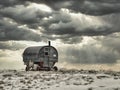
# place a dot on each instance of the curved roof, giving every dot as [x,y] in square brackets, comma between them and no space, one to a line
[33,49]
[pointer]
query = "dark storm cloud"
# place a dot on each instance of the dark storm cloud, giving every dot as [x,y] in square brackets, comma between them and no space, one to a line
[96,7]
[11,31]
[72,25]
[92,7]
[11,46]
[72,30]
[11,3]
[24,14]
[5,3]
[114,20]
[61,22]
[55,4]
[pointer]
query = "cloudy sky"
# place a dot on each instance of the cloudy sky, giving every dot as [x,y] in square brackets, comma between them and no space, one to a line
[83,31]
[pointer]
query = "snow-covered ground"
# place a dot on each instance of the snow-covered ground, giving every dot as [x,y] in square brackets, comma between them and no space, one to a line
[60,80]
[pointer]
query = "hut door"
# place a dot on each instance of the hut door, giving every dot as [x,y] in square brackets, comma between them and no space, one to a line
[47,54]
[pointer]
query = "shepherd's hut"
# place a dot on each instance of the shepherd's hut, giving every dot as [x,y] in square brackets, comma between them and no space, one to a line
[40,57]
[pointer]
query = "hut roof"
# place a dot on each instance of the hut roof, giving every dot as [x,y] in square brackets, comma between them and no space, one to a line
[32,50]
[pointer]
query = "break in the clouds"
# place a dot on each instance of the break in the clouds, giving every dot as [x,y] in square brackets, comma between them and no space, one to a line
[92,50]
[63,21]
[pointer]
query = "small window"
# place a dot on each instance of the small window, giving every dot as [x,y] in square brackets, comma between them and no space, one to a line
[54,55]
[46,49]
[46,53]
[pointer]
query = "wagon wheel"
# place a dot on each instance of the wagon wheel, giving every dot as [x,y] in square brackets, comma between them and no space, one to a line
[38,68]
[27,68]
[48,69]
[55,68]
